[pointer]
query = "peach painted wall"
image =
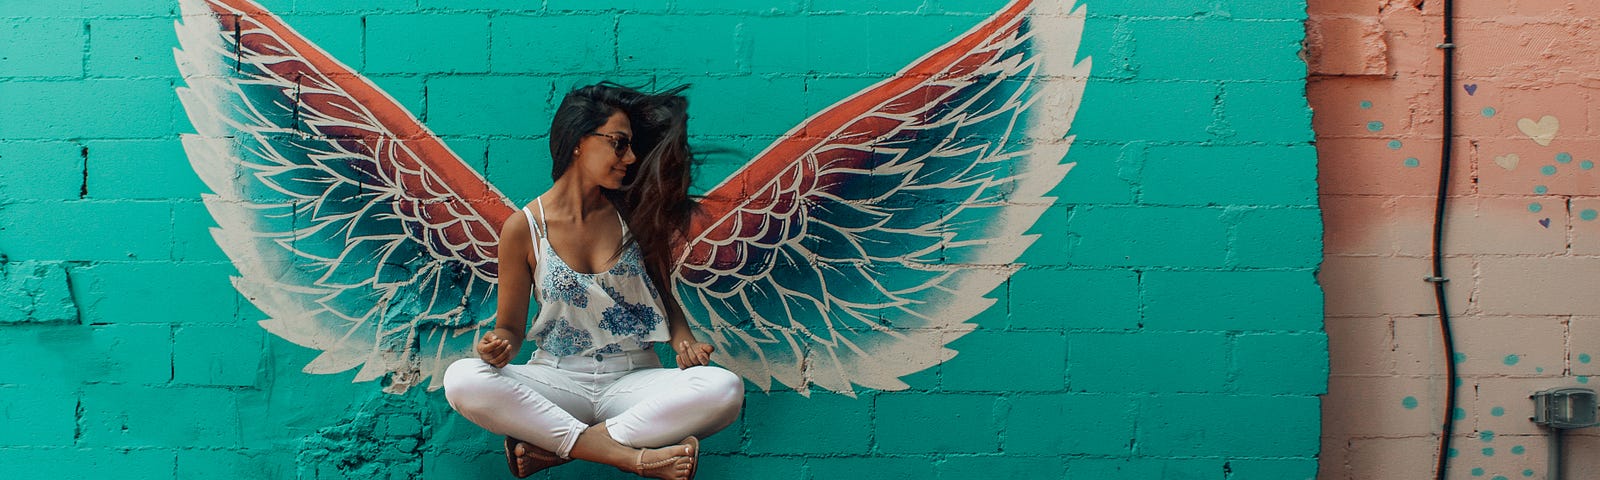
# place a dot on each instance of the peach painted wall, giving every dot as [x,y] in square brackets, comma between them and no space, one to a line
[1522,242]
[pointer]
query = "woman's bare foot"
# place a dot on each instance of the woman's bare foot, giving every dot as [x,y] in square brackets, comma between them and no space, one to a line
[528,459]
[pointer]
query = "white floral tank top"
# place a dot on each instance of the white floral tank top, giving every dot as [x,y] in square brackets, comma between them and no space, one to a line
[580,313]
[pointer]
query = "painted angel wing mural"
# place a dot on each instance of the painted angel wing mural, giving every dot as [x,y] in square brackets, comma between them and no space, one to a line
[847,254]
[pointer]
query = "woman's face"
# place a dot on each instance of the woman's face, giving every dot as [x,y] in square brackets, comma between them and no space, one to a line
[597,158]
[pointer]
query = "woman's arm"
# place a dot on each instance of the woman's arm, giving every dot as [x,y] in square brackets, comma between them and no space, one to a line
[516,280]
[691,351]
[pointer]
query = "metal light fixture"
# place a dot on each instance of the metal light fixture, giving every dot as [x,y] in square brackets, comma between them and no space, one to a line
[1562,409]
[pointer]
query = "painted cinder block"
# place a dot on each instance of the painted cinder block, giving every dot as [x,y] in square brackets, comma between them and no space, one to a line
[1071,424]
[1281,363]
[1237,50]
[1040,358]
[37,230]
[518,167]
[1405,457]
[94,108]
[61,355]
[1361,346]
[191,234]
[1229,175]
[490,105]
[456,43]
[1001,466]
[1147,111]
[36,292]
[38,416]
[884,468]
[123,169]
[1537,286]
[1228,425]
[786,423]
[1379,406]
[1147,362]
[1584,346]
[139,416]
[247,463]
[948,423]
[338,35]
[202,357]
[553,44]
[1103,173]
[1075,299]
[131,47]
[807,44]
[1392,285]
[1272,469]
[81,462]
[1268,112]
[889,49]
[695,45]
[43,47]
[1152,236]
[1520,345]
[740,466]
[1233,301]
[737,97]
[1141,467]
[1274,237]
[45,170]
[625,6]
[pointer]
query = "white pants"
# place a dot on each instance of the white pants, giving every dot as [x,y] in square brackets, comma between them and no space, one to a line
[551,400]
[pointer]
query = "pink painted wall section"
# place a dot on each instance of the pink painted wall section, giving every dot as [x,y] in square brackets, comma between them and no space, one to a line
[1522,237]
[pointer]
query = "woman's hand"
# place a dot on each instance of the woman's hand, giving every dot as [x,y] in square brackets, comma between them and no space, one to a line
[692,352]
[495,349]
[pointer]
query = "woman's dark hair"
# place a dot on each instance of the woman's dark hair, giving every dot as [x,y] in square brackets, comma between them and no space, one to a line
[655,193]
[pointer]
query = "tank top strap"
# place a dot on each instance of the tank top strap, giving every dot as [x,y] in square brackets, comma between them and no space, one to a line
[543,227]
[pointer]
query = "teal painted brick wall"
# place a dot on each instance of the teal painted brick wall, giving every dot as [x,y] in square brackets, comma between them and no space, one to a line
[1166,323]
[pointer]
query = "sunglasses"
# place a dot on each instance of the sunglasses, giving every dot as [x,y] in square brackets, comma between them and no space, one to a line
[619,144]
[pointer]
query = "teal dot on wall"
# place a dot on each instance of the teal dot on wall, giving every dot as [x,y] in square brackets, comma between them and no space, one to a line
[1458,383]
[1538,369]
[1375,126]
[1518,450]
[1412,162]
[1477,472]
[1583,358]
[1497,411]
[1409,402]
[1512,359]
[1499,477]
[1548,170]
[1535,207]
[1586,164]
[1583,379]
[1488,452]
[1453,453]
[1461,357]
[1460,414]
[1541,189]
[1366,104]
[1486,435]
[1488,112]
[1395,145]
[1563,157]
[1588,214]
[1527,472]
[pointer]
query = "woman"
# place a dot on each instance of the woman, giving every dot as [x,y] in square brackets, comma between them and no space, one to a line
[594,251]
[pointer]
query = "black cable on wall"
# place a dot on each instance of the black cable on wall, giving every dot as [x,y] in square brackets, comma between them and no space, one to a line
[1438,279]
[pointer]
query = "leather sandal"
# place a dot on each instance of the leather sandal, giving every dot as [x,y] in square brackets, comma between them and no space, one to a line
[643,469]
[538,458]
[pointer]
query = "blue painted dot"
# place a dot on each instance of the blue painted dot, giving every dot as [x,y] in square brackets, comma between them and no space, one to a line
[1527,472]
[1518,450]
[1512,359]
[1366,104]
[1395,145]
[1461,357]
[1541,189]
[1477,472]
[1583,379]
[1497,411]
[1563,157]
[1375,126]
[1538,369]
[1583,358]
[1488,452]
[1586,164]
[1488,111]
[1499,477]
[1412,162]
[1535,207]
[1409,402]
[1459,414]
[1548,170]
[1452,453]
[1588,214]
[1486,435]
[1458,383]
